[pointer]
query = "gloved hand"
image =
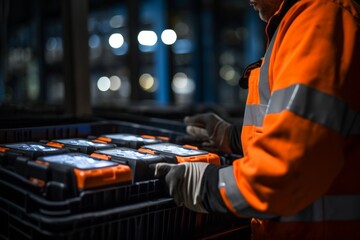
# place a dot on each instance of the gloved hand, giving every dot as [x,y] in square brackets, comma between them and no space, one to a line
[184,181]
[209,130]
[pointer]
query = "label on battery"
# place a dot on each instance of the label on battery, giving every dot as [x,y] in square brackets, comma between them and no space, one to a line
[31,147]
[127,154]
[130,138]
[80,142]
[175,149]
[79,161]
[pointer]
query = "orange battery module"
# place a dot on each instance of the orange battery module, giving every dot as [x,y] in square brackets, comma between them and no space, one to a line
[81,170]
[30,149]
[139,162]
[131,140]
[80,145]
[180,153]
[11,153]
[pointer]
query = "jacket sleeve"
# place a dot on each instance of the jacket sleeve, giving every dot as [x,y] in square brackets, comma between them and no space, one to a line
[235,140]
[212,200]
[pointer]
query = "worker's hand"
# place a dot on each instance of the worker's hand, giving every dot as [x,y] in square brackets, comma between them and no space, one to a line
[184,181]
[209,130]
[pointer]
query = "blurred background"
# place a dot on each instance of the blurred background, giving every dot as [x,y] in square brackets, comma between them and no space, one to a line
[66,59]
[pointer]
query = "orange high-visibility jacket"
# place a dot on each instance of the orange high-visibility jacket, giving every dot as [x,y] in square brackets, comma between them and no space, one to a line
[300,173]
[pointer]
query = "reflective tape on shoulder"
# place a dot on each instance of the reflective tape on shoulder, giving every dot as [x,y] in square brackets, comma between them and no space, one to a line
[329,208]
[316,106]
[254,114]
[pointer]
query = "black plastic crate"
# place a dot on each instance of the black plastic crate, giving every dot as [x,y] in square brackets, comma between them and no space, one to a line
[81,145]
[139,162]
[158,219]
[137,211]
[13,155]
[131,140]
[181,153]
[82,130]
[30,198]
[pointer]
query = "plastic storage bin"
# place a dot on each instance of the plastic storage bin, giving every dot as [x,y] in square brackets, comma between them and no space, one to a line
[79,145]
[142,210]
[131,140]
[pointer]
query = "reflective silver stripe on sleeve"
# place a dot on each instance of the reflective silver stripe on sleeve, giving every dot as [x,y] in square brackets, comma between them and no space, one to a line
[316,106]
[329,208]
[227,181]
[254,114]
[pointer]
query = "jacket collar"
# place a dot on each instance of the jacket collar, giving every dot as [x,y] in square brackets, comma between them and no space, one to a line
[271,27]
[275,20]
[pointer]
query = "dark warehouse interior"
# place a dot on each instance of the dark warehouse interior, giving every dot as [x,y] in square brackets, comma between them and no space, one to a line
[79,69]
[179,119]
[58,60]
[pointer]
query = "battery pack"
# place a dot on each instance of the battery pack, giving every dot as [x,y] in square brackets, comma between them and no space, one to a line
[131,140]
[179,154]
[68,174]
[139,162]
[31,150]
[80,145]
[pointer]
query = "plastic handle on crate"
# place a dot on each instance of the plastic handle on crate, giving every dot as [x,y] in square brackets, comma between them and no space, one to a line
[163,138]
[99,177]
[98,141]
[104,139]
[208,158]
[41,162]
[37,182]
[55,144]
[4,149]
[148,136]
[214,159]
[37,171]
[100,156]
[146,151]
[190,146]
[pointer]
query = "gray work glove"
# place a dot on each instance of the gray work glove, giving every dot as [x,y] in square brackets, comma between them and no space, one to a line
[208,129]
[184,181]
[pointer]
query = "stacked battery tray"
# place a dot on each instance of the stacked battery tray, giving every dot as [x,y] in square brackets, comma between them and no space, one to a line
[81,181]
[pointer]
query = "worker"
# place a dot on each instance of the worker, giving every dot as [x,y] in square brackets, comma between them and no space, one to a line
[299,175]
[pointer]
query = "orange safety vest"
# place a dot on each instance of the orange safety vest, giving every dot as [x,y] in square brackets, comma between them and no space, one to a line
[301,133]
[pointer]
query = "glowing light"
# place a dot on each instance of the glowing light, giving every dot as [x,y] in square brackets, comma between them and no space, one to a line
[182,28]
[116,40]
[229,74]
[94,41]
[147,38]
[180,80]
[103,84]
[115,83]
[125,89]
[121,50]
[117,21]
[147,82]
[242,33]
[227,58]
[51,44]
[181,84]
[168,36]
[182,46]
